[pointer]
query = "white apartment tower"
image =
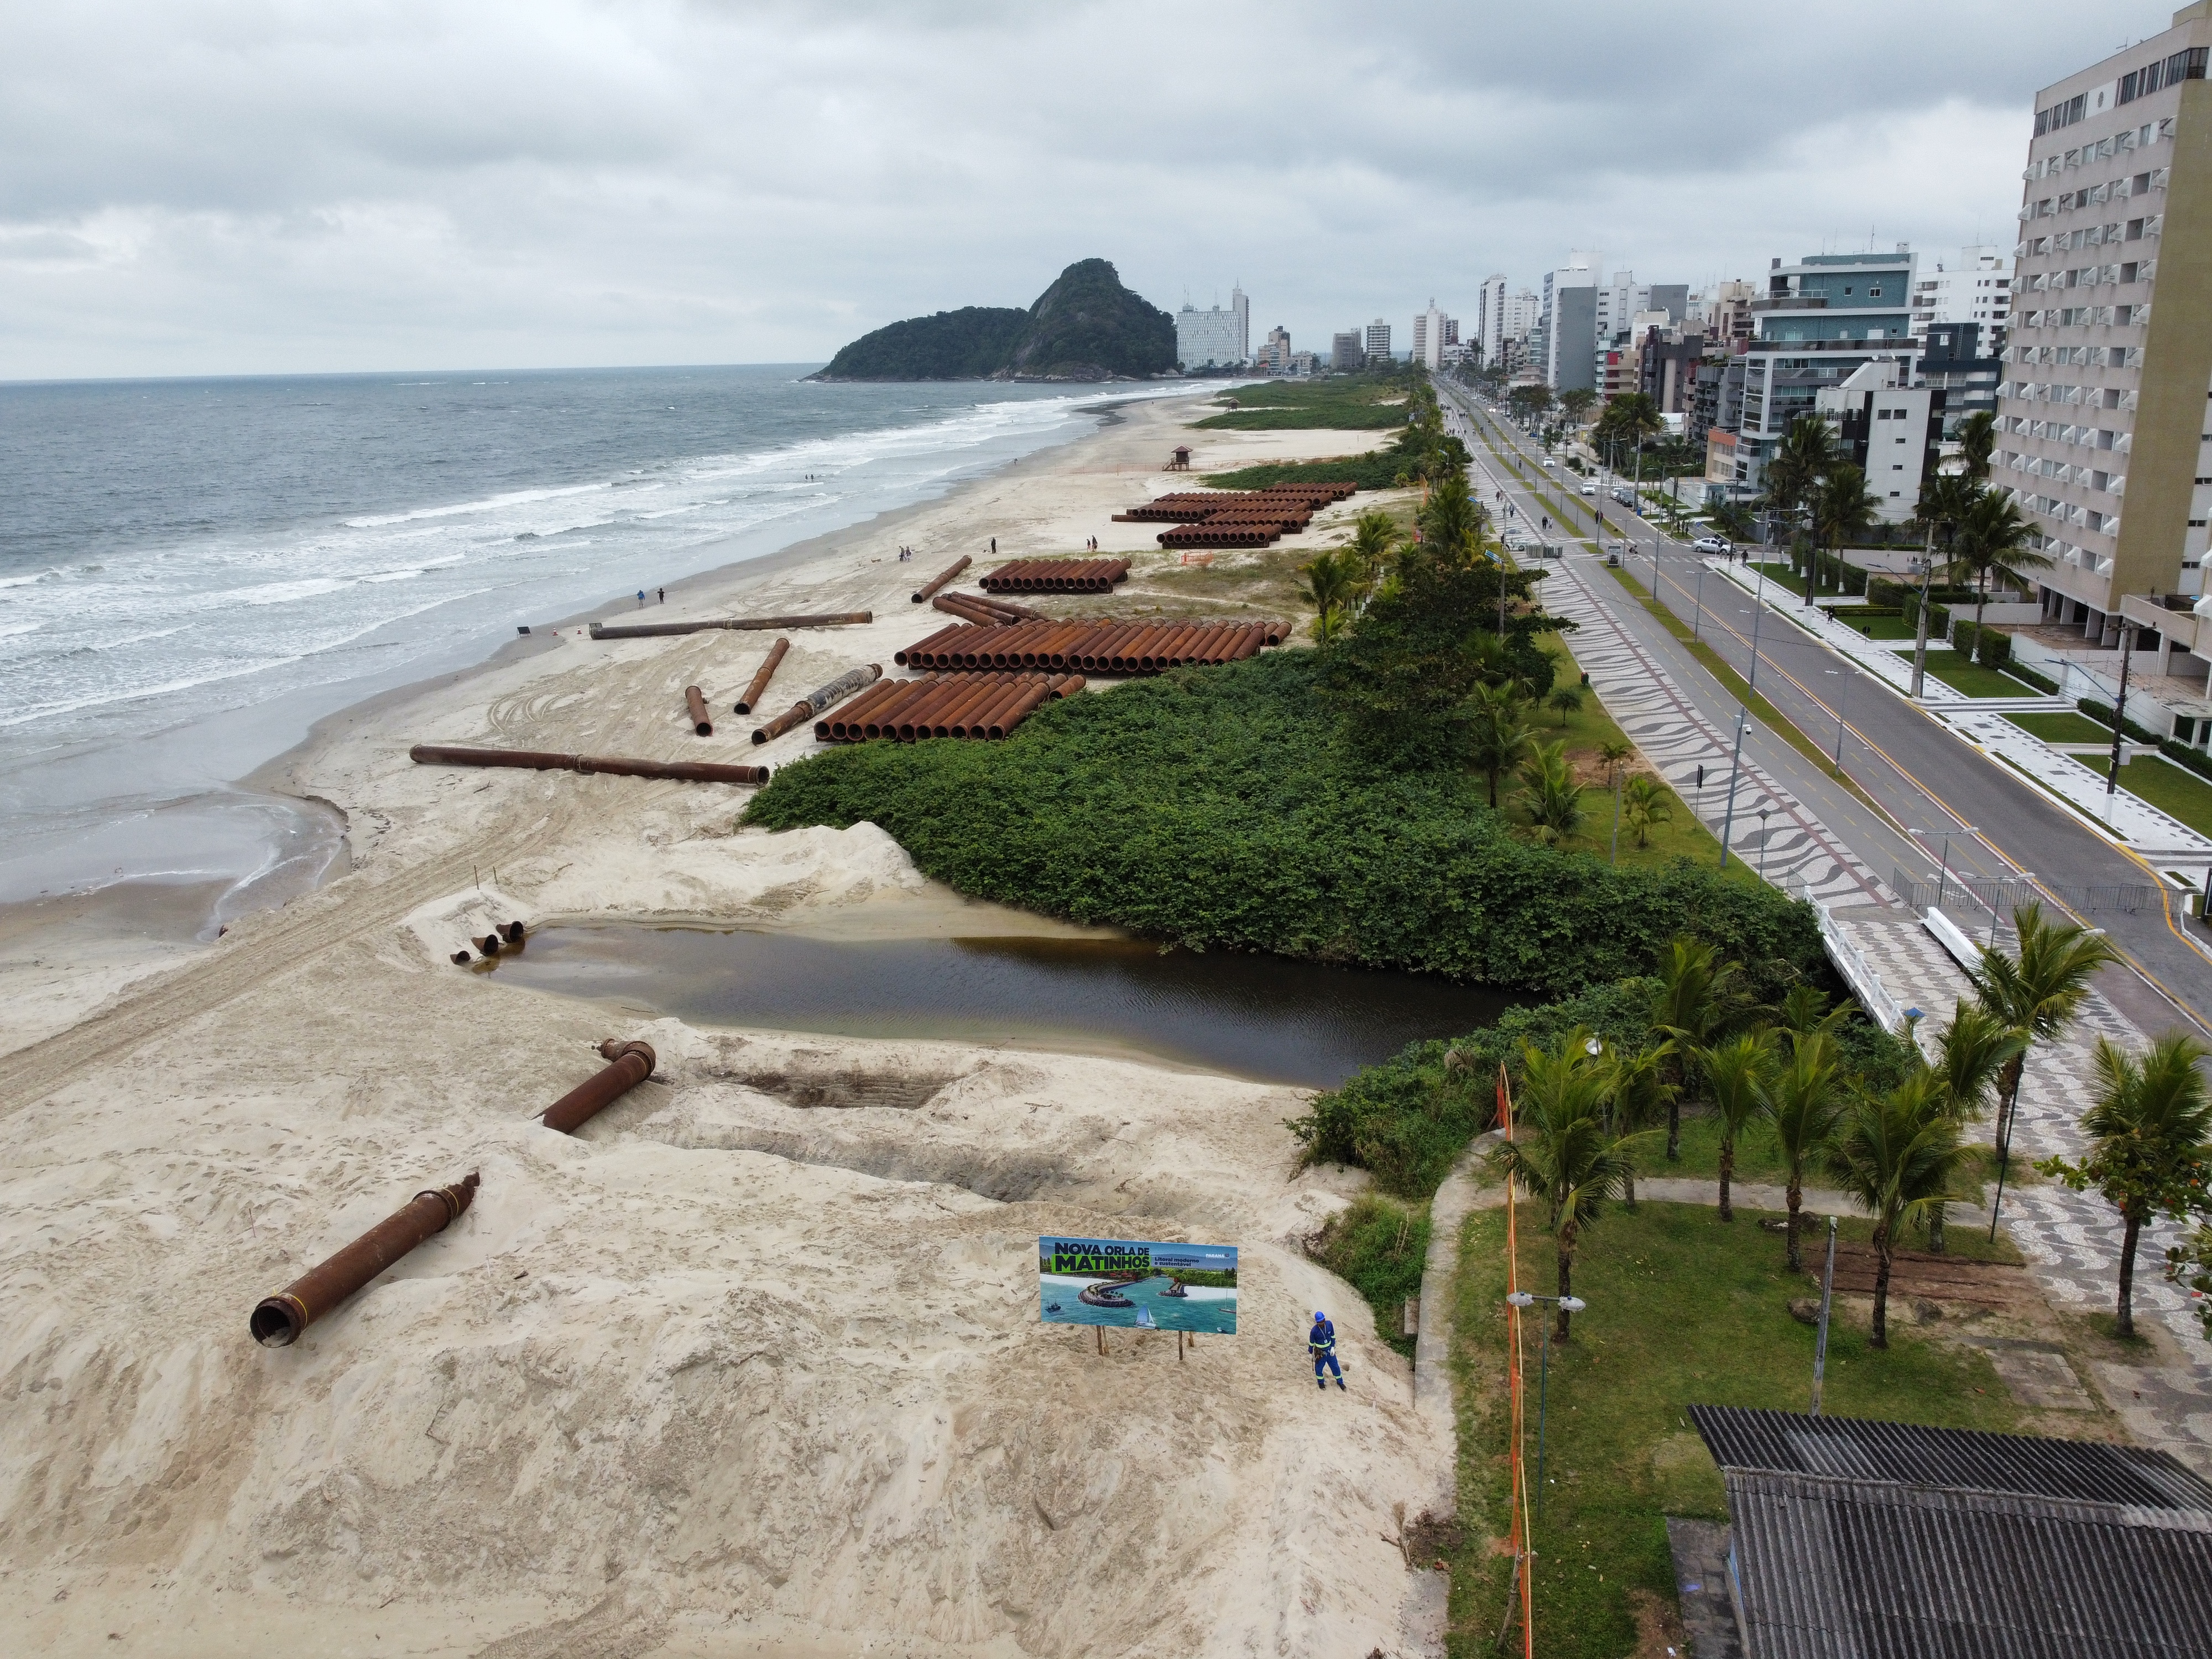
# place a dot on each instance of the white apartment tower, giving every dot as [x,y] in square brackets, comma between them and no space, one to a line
[1378,341]
[2104,431]
[1974,288]
[1490,319]
[1218,338]
[1429,331]
[1568,324]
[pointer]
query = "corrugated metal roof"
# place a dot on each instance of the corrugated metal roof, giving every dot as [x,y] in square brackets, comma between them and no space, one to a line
[1881,1570]
[1964,1460]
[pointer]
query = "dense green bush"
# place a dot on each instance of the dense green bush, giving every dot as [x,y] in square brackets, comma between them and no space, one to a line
[2194,759]
[2102,713]
[2042,683]
[1408,1120]
[1378,469]
[1225,808]
[1379,1248]
[1993,648]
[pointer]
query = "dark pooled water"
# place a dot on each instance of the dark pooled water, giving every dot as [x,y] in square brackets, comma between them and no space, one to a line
[1258,1017]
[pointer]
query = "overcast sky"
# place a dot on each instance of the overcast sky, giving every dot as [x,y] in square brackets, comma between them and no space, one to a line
[190,188]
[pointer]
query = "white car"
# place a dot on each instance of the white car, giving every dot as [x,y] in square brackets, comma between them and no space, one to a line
[1589,489]
[1713,544]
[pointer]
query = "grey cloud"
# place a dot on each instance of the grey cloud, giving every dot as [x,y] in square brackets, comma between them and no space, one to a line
[395,183]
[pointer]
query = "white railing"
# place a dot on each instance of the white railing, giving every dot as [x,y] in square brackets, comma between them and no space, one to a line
[1860,974]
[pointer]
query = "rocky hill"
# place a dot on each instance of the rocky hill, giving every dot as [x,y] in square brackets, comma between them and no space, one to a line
[1086,326]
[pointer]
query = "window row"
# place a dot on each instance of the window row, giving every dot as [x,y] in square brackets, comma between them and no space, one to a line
[2090,276]
[2103,438]
[2045,391]
[2091,236]
[2083,317]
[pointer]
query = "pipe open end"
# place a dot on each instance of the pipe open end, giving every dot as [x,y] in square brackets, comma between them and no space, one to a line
[277,1322]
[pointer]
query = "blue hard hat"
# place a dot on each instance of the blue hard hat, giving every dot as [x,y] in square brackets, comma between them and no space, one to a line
[1318,1314]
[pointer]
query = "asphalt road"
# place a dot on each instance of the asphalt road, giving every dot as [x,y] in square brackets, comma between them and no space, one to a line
[1920,774]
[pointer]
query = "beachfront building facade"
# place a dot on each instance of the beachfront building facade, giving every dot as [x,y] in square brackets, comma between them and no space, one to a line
[1974,288]
[1432,332]
[1378,341]
[1346,354]
[1275,355]
[1490,319]
[1888,427]
[1819,322]
[1566,341]
[1219,337]
[2105,433]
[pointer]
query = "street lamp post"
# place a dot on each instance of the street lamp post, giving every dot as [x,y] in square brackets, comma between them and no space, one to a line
[1757,605]
[1698,612]
[1763,812]
[2119,714]
[1736,770]
[1943,874]
[1573,1304]
[1843,694]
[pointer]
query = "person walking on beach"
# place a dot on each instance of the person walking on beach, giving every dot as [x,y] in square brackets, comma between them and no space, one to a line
[663,594]
[995,547]
[641,599]
[1321,1343]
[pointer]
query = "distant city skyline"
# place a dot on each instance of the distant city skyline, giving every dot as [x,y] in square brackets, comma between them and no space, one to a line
[363,188]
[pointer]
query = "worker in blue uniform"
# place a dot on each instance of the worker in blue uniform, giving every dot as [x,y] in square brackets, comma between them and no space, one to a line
[1320,1342]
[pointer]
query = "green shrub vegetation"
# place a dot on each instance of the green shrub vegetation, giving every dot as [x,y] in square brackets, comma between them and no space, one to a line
[1349,402]
[1379,1247]
[1227,808]
[1378,469]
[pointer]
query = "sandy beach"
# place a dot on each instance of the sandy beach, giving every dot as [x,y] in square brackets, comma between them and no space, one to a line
[732,1371]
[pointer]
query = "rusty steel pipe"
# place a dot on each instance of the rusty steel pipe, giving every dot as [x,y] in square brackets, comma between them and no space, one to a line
[1007,608]
[1012,716]
[972,699]
[629,1065]
[702,721]
[815,701]
[995,720]
[853,712]
[959,604]
[776,653]
[657,630]
[436,754]
[941,577]
[278,1320]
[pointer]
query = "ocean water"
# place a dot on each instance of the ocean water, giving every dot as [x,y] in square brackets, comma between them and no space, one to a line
[192,572]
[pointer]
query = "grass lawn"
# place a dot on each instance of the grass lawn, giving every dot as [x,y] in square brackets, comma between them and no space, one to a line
[1584,732]
[1682,1310]
[2063,728]
[1350,403]
[2169,789]
[1976,681]
[1877,626]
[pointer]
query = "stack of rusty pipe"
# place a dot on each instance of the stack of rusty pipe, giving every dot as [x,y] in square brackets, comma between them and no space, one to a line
[278,1320]
[1057,577]
[1195,506]
[978,706]
[984,607]
[1093,648]
[533,760]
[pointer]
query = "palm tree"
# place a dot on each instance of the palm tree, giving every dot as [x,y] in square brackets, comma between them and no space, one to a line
[1613,752]
[2037,993]
[1973,1050]
[1806,452]
[1331,580]
[1977,436]
[1629,418]
[1898,1154]
[1700,997]
[1802,1101]
[1804,1011]
[1733,520]
[1566,700]
[1564,1151]
[1644,803]
[1841,508]
[1528,401]
[1577,403]
[2148,1125]
[1992,540]
[1451,522]
[1498,739]
[1736,1076]
[1374,533]
[1549,794]
[1639,1091]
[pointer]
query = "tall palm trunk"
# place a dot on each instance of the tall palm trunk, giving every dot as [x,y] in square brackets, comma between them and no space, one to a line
[1796,1192]
[2127,1319]
[1680,1076]
[1628,1186]
[1493,791]
[1727,1170]
[1882,1285]
[1935,1229]
[1566,1278]
[2008,1090]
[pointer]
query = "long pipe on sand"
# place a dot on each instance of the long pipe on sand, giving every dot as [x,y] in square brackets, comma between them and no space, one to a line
[941,577]
[629,1064]
[279,1319]
[819,699]
[533,760]
[655,630]
[760,680]
[702,721]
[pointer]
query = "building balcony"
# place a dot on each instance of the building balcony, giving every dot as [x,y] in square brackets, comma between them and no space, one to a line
[1792,302]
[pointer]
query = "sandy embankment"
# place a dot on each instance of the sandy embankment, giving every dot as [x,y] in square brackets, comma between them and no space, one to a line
[752,1365]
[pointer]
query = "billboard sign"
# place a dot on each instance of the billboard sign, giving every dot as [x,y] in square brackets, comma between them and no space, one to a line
[1138,1285]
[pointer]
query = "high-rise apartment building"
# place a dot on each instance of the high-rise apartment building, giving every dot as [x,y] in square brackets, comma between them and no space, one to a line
[1218,337]
[1378,341]
[1974,288]
[2103,415]
[1346,354]
[1275,355]
[1490,318]
[1567,325]
[1429,328]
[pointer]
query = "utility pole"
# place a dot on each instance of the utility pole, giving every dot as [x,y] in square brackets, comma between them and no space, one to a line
[2119,714]
[1736,770]
[1820,1345]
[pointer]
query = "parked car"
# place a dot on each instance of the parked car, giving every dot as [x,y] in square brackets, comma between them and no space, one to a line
[1713,544]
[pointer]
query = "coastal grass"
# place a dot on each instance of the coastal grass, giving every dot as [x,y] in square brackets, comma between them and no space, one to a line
[2167,788]
[2063,728]
[1350,403]
[1379,1247]
[1378,469]
[1683,1308]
